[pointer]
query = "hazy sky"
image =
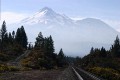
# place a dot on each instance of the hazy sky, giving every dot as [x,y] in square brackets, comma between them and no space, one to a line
[106,10]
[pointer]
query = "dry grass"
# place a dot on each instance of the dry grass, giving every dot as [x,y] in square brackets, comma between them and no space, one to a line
[31,75]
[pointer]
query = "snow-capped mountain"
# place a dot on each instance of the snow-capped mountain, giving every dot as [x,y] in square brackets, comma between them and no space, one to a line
[75,37]
[47,16]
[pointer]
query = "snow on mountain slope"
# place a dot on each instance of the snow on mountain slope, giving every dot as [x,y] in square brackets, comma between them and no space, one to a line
[97,30]
[75,37]
[47,16]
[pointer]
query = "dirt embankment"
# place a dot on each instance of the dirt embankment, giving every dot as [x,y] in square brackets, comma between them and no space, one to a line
[66,74]
[31,75]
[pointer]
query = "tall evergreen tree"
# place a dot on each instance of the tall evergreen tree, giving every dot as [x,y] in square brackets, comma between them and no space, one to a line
[115,50]
[10,38]
[92,50]
[21,37]
[24,38]
[51,45]
[6,39]
[13,34]
[61,54]
[61,59]
[18,36]
[39,40]
[103,52]
[3,31]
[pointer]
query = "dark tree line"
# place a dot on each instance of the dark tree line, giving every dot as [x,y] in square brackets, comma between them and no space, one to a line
[42,54]
[12,43]
[45,56]
[114,51]
[104,63]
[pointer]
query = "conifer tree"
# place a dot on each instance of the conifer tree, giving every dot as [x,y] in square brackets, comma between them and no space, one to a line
[103,52]
[3,31]
[13,34]
[21,37]
[61,54]
[115,50]
[6,39]
[92,50]
[39,40]
[51,45]
[61,58]
[10,39]
[18,36]
[24,38]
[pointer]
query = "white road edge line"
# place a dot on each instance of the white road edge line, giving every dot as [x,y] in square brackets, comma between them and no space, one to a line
[79,77]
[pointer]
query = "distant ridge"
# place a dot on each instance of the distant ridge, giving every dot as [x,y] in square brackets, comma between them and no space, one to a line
[76,37]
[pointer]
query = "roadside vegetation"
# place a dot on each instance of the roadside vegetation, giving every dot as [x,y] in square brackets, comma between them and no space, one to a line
[104,63]
[42,56]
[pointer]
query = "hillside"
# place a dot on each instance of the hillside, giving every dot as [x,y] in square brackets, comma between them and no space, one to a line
[83,33]
[103,63]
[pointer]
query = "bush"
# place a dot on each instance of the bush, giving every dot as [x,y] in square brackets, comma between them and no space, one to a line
[4,68]
[106,73]
[13,68]
[25,69]
[3,57]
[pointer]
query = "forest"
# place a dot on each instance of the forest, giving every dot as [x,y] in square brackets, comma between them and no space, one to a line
[42,54]
[104,63]
[101,62]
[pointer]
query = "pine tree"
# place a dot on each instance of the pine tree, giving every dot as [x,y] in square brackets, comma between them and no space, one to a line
[3,31]
[61,59]
[24,38]
[18,36]
[21,37]
[13,34]
[92,50]
[6,39]
[51,45]
[39,40]
[115,50]
[10,39]
[103,52]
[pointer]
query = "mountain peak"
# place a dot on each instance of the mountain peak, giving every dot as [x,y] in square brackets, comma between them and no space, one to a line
[46,10]
[47,16]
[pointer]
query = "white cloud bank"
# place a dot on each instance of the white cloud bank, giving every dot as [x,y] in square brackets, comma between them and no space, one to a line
[114,24]
[11,17]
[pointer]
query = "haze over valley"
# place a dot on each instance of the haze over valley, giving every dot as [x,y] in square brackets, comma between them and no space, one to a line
[76,37]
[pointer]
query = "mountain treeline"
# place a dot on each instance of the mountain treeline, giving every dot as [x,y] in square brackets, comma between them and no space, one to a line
[104,63]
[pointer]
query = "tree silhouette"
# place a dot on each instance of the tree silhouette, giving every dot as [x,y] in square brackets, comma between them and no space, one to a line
[115,49]
[3,31]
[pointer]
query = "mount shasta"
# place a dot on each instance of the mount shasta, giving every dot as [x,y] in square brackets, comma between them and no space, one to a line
[76,37]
